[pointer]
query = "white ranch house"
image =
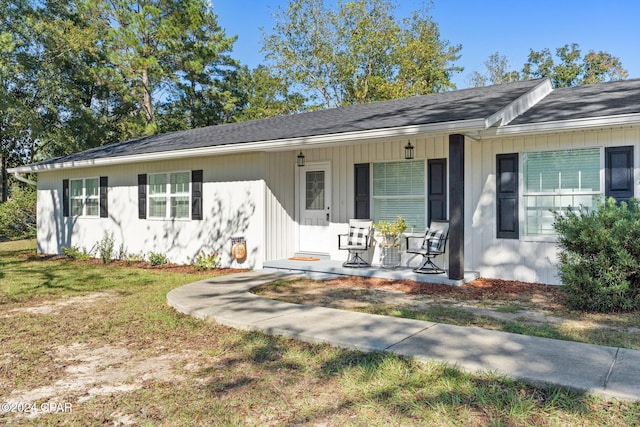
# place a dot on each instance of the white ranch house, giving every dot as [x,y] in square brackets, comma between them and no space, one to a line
[492,160]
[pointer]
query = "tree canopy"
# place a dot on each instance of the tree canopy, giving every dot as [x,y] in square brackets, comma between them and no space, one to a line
[359,52]
[568,67]
[77,74]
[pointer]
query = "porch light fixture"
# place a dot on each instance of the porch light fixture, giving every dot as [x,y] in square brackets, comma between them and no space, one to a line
[408,151]
[300,161]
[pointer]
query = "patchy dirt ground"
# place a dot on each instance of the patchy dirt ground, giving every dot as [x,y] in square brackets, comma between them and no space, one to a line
[81,371]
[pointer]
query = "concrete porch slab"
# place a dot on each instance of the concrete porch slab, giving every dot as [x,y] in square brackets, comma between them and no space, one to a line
[334,267]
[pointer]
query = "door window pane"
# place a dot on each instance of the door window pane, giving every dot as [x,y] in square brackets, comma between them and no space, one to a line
[315,190]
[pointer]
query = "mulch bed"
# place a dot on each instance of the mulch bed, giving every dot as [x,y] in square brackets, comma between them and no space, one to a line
[171,268]
[480,289]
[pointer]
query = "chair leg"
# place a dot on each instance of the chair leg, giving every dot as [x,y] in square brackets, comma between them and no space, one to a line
[428,267]
[355,261]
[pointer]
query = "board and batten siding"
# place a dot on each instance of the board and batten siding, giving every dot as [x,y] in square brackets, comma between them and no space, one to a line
[520,259]
[511,259]
[344,157]
[233,206]
[279,225]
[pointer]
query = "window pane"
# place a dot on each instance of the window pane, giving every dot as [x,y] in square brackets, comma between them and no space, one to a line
[412,210]
[76,207]
[315,190]
[539,210]
[76,187]
[399,189]
[570,177]
[92,187]
[158,184]
[180,207]
[566,171]
[398,178]
[93,207]
[180,182]
[157,207]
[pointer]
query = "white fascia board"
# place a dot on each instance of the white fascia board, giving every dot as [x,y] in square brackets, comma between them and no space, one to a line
[520,105]
[568,125]
[460,126]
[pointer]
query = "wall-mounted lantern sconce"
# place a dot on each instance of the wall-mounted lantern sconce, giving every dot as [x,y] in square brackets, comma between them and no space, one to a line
[408,151]
[300,161]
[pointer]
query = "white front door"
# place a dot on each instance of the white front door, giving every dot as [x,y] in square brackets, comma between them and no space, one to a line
[314,200]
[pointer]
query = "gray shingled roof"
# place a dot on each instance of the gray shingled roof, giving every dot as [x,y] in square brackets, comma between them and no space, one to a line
[467,104]
[581,102]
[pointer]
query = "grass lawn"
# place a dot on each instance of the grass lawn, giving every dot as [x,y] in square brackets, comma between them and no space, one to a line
[99,345]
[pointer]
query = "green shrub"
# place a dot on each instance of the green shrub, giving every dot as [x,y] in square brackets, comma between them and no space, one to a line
[157,258]
[131,258]
[18,214]
[106,247]
[74,252]
[206,261]
[600,256]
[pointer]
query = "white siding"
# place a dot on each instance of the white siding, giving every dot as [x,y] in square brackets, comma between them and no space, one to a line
[522,259]
[254,196]
[531,261]
[344,157]
[279,226]
[233,206]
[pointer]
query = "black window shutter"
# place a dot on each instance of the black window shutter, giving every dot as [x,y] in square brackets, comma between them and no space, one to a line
[142,196]
[65,197]
[437,189]
[104,203]
[508,224]
[361,190]
[618,177]
[196,194]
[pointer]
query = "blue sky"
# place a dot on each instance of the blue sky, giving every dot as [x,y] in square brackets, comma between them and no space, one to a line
[482,27]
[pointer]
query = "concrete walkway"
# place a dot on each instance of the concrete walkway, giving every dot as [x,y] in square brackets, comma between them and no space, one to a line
[605,371]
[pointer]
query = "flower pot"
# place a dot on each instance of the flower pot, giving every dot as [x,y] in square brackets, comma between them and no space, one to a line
[390,255]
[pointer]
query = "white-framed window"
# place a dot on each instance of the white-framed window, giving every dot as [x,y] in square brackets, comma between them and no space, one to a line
[556,180]
[170,195]
[84,197]
[399,189]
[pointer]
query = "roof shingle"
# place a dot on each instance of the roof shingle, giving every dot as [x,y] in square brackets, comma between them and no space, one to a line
[583,102]
[466,104]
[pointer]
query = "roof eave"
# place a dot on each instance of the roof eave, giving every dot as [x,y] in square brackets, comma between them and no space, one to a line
[569,125]
[520,105]
[461,126]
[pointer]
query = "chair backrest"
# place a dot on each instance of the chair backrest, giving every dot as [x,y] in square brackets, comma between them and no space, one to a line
[435,238]
[360,232]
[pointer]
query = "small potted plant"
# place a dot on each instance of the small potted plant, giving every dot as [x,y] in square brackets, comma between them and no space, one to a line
[391,231]
[390,247]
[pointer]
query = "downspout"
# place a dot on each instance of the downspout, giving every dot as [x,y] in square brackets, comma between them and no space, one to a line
[25,180]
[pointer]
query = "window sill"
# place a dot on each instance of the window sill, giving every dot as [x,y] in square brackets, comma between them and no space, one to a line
[539,239]
[168,219]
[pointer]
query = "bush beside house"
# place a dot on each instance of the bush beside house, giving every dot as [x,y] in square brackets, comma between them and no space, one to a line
[18,214]
[600,256]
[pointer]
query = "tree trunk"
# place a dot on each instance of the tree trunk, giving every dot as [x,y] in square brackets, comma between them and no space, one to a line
[4,179]
[148,103]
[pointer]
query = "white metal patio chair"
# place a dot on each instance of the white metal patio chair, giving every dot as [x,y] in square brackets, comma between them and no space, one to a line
[357,242]
[432,244]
